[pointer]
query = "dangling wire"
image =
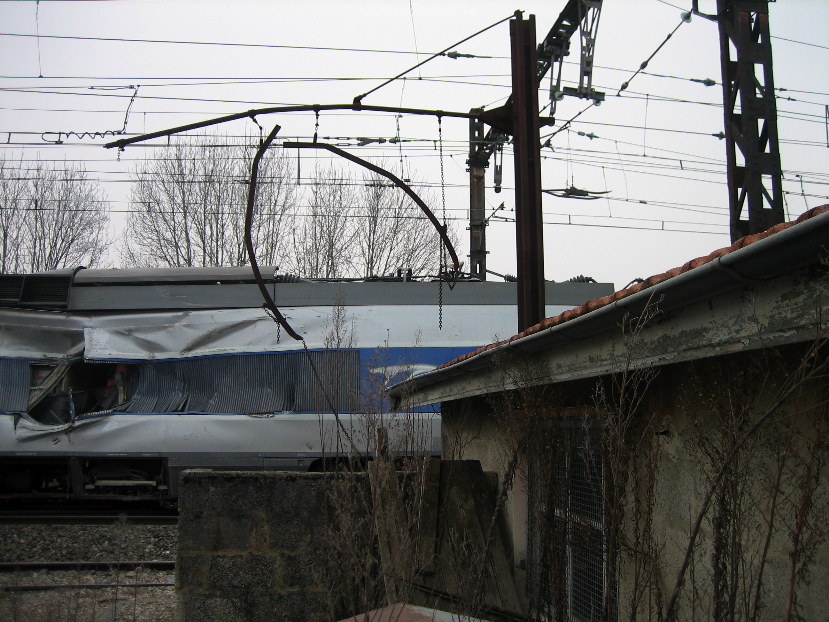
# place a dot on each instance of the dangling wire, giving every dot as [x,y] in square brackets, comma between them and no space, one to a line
[624,172]
[37,26]
[645,128]
[261,129]
[400,146]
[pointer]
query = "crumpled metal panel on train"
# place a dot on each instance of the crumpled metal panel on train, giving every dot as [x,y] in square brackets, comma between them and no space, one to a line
[248,384]
[268,383]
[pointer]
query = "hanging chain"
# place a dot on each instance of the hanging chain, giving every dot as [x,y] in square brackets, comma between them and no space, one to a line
[440,301]
[316,124]
[442,270]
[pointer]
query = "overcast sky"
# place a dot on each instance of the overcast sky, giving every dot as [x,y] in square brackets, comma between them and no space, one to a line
[654,148]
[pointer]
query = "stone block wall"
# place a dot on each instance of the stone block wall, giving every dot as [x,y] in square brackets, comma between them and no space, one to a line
[250,546]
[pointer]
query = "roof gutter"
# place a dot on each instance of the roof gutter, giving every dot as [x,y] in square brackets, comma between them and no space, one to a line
[797,246]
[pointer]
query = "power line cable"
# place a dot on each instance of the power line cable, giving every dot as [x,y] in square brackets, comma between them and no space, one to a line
[685,19]
[219,43]
[359,98]
[813,45]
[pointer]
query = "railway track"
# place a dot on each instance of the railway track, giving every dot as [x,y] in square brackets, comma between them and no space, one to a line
[79,563]
[85,515]
[28,518]
[85,567]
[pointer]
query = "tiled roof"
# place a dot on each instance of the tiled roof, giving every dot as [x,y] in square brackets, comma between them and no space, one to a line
[598,303]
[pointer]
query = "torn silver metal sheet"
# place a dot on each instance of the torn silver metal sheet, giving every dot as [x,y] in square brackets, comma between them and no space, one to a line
[198,441]
[186,334]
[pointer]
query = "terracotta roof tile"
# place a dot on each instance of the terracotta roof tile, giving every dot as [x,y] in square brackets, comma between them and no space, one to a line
[592,305]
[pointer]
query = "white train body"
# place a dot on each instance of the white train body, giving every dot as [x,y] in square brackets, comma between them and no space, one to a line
[114,381]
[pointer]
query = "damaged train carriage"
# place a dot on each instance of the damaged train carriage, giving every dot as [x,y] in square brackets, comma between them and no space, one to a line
[114,381]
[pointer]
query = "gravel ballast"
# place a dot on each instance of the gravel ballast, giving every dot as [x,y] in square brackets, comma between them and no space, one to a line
[66,543]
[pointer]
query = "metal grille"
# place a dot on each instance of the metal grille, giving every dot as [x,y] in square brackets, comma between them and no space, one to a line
[11,285]
[14,385]
[46,290]
[262,383]
[586,573]
[586,475]
[566,515]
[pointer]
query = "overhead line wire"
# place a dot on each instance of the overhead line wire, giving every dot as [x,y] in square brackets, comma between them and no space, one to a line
[218,43]
[814,45]
[359,98]
[645,63]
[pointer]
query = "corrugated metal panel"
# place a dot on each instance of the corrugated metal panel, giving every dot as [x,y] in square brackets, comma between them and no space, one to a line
[159,387]
[14,385]
[339,372]
[249,384]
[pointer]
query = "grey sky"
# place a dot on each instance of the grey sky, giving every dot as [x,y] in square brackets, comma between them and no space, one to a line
[643,148]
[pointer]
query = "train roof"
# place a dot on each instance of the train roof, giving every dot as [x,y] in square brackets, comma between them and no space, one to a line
[130,290]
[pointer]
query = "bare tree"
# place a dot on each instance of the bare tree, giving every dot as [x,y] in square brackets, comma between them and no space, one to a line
[393,232]
[362,228]
[189,207]
[51,217]
[12,200]
[322,242]
[188,210]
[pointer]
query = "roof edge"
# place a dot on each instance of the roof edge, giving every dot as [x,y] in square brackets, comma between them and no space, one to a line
[763,256]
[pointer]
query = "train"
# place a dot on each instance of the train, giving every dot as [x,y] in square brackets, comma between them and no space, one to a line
[114,381]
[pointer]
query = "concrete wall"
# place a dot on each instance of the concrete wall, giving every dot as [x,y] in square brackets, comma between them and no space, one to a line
[249,546]
[470,430]
[690,414]
[698,406]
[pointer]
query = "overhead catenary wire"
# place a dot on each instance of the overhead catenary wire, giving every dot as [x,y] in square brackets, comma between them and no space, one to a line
[214,43]
[359,98]
[645,63]
[629,93]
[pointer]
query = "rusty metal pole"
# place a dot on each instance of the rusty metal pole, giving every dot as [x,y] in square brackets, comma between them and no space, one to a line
[755,187]
[477,185]
[527,156]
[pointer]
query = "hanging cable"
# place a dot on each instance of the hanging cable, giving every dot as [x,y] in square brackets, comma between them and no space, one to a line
[827,126]
[269,304]
[624,172]
[645,128]
[414,36]
[101,134]
[261,129]
[37,26]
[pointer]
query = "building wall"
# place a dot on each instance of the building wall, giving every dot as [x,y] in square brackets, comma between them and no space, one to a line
[770,505]
[471,428]
[682,420]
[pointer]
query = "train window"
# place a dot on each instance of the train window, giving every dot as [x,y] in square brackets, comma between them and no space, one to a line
[60,393]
